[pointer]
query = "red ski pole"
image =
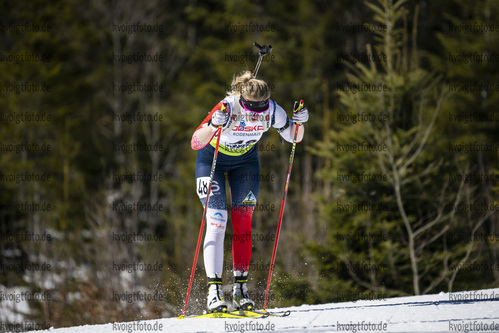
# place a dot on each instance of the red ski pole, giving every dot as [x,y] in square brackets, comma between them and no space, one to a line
[291,158]
[203,221]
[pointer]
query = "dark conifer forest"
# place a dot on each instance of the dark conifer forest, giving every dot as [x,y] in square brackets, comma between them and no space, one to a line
[393,191]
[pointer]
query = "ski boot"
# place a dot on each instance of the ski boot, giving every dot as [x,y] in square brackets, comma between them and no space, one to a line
[215,300]
[240,298]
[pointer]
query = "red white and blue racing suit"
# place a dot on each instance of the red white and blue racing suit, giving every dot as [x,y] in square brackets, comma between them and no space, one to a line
[238,159]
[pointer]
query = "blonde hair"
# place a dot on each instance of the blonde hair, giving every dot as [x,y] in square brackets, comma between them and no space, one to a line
[250,88]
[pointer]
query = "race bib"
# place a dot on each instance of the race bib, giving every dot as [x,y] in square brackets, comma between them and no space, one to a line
[202,185]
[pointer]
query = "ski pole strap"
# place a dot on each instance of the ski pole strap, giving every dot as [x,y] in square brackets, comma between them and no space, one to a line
[298,106]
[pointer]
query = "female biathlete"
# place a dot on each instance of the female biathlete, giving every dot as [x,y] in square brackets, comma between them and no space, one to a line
[248,113]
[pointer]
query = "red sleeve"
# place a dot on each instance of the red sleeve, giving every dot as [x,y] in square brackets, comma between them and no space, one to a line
[195,143]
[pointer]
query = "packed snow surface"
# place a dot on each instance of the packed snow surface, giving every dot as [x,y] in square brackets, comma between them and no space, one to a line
[470,311]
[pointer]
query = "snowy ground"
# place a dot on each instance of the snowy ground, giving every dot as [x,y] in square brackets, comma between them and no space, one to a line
[473,311]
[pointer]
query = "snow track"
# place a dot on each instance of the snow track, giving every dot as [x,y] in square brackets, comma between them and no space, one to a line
[472,311]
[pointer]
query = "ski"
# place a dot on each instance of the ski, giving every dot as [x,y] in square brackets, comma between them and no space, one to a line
[233,314]
[265,313]
[241,314]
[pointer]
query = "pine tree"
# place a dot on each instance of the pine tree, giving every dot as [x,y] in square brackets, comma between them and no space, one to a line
[469,43]
[393,214]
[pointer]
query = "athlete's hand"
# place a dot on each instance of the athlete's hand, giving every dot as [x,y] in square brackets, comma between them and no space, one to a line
[220,117]
[300,116]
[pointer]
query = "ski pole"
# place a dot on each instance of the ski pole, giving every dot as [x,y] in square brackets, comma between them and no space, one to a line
[203,221]
[297,107]
[263,50]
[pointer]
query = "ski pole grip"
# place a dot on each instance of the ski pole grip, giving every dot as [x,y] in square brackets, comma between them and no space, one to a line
[223,108]
[297,107]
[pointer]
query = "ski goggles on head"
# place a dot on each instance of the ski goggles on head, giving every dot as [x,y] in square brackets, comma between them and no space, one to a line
[254,107]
